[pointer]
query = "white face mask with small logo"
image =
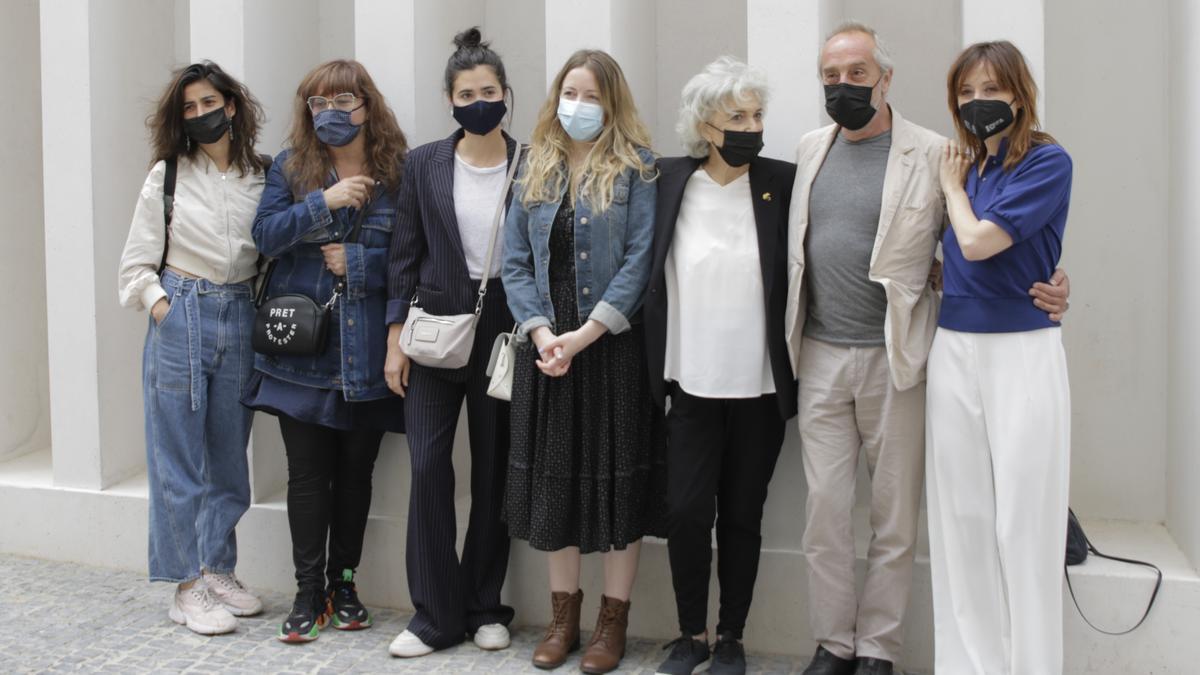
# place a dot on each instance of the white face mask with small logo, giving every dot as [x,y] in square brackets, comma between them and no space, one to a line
[581,120]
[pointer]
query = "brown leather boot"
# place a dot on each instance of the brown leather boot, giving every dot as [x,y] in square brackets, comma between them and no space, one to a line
[562,635]
[607,646]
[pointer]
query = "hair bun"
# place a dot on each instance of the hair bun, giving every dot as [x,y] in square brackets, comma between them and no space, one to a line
[470,38]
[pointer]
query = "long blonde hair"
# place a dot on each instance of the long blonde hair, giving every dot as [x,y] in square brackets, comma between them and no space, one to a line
[615,149]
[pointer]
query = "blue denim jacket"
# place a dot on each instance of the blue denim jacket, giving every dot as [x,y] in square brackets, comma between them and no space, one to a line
[293,232]
[612,255]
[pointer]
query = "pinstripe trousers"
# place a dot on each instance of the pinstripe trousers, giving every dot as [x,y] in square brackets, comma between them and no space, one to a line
[454,597]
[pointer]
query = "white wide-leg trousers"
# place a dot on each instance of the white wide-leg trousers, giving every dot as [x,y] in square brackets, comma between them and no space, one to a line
[998,438]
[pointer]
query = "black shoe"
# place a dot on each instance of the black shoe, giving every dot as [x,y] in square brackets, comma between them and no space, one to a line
[686,655]
[348,612]
[310,613]
[729,656]
[873,666]
[825,663]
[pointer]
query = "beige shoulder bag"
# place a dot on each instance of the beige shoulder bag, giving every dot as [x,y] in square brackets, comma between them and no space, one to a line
[445,341]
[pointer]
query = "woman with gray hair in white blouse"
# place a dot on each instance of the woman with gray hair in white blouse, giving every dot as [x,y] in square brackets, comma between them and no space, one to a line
[715,345]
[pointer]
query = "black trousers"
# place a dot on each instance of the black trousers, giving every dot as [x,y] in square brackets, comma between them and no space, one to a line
[454,597]
[329,497]
[720,457]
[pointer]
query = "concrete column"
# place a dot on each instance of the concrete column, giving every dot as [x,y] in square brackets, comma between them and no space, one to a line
[216,33]
[24,391]
[1021,22]
[626,29]
[95,85]
[923,40]
[784,38]
[516,29]
[1116,332]
[1183,279]
[690,34]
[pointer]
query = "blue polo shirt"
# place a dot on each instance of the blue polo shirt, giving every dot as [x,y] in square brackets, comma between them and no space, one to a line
[1030,202]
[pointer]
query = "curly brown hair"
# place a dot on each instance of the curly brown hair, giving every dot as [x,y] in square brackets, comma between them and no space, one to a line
[386,146]
[167,136]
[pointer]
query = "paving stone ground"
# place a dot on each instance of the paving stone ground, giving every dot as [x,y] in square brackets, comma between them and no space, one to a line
[61,617]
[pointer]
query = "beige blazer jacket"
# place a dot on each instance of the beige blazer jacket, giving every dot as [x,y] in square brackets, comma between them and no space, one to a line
[910,224]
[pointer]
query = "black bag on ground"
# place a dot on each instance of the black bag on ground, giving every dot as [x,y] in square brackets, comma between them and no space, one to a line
[1078,548]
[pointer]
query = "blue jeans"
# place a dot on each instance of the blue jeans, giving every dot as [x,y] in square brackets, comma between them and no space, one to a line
[195,366]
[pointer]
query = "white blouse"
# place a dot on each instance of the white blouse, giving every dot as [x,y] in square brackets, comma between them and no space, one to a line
[210,229]
[716,319]
[477,193]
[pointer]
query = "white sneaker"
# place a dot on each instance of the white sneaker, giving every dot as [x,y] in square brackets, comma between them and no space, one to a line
[407,645]
[492,637]
[232,594]
[196,608]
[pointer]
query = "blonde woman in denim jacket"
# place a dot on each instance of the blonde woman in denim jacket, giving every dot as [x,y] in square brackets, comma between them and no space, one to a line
[587,453]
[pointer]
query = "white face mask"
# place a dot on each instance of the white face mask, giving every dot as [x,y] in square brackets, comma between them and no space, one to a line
[581,120]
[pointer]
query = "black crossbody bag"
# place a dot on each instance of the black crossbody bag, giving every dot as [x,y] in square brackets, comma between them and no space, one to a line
[293,324]
[1078,548]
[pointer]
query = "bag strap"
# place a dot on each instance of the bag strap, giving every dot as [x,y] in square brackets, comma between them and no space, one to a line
[168,208]
[1153,596]
[487,262]
[351,238]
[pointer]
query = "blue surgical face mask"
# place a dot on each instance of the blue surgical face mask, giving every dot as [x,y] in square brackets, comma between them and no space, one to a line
[334,127]
[581,120]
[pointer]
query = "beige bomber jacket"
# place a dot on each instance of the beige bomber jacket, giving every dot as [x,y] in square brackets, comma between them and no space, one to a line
[210,229]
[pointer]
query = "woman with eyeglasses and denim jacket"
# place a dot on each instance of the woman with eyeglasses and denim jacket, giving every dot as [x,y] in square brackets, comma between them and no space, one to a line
[326,217]
[191,266]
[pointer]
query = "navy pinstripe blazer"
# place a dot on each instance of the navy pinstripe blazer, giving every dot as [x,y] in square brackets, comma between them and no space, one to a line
[426,258]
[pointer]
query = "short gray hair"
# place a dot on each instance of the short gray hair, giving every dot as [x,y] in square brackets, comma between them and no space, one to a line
[881,54]
[721,83]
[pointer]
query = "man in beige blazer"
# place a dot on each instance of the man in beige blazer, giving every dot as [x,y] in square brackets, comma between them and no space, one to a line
[865,221]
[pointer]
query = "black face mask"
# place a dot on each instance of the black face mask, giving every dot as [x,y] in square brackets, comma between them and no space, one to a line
[985,117]
[207,128]
[740,147]
[850,104]
[480,117]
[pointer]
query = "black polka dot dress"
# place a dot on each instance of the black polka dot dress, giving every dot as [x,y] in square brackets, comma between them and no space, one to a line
[587,464]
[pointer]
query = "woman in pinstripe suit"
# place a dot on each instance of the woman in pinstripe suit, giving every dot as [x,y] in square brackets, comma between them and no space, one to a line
[448,199]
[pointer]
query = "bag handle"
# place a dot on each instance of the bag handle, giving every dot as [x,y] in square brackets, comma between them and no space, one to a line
[487,263]
[1153,596]
[168,208]
[351,238]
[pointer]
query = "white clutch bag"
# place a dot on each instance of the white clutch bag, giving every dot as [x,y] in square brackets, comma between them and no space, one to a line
[500,366]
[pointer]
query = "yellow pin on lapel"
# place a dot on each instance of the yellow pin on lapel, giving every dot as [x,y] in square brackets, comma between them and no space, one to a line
[766,196]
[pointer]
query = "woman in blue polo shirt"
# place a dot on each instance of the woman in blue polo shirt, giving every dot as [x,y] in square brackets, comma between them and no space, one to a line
[998,414]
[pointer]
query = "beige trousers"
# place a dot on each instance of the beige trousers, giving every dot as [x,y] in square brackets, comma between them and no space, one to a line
[848,403]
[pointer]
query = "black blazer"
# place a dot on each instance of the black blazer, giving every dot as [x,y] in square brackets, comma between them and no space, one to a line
[426,258]
[771,189]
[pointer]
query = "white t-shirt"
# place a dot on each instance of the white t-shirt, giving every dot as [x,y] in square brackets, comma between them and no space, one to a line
[477,193]
[716,321]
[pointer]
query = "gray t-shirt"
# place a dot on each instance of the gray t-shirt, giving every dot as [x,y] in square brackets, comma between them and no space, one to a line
[844,306]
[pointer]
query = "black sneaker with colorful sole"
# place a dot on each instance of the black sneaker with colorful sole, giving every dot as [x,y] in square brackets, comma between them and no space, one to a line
[310,613]
[346,611]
